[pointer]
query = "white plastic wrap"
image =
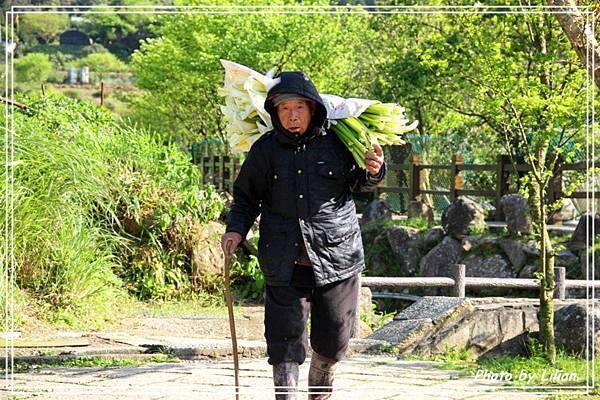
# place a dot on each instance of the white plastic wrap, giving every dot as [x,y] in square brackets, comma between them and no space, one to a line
[339,108]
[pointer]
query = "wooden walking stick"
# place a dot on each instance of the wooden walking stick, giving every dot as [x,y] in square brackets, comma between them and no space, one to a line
[229,300]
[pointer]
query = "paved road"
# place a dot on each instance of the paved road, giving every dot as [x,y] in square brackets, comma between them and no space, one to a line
[359,377]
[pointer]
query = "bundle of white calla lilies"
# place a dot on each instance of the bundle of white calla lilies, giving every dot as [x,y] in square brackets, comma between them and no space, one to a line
[359,123]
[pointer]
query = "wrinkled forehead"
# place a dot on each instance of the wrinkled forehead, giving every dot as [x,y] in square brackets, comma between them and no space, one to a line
[295,102]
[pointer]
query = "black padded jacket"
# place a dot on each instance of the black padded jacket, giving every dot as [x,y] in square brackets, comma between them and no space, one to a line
[301,186]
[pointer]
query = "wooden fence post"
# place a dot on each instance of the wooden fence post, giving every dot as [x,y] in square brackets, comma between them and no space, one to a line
[415,181]
[101,93]
[501,184]
[215,174]
[456,180]
[457,272]
[560,290]
[202,166]
[223,182]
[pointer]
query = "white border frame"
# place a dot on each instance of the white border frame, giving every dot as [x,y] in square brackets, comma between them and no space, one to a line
[284,9]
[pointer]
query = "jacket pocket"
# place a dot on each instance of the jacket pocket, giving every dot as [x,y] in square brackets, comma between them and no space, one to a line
[335,237]
[330,170]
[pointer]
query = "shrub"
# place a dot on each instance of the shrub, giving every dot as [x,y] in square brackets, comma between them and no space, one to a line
[82,184]
[32,68]
[102,63]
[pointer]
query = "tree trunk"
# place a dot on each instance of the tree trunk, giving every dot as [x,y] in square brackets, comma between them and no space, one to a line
[579,34]
[540,216]
[546,311]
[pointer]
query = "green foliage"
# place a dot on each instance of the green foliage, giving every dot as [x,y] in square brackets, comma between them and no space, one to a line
[478,230]
[538,366]
[188,49]
[418,223]
[102,63]
[42,27]
[248,278]
[467,76]
[32,68]
[376,320]
[62,55]
[98,201]
[120,33]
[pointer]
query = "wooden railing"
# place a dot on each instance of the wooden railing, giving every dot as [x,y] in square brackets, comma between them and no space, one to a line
[221,171]
[456,282]
[503,167]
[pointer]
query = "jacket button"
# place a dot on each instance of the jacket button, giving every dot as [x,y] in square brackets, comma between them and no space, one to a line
[330,173]
[301,196]
[275,176]
[299,171]
[296,244]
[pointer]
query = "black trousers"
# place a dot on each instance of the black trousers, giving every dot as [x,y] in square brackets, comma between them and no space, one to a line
[332,310]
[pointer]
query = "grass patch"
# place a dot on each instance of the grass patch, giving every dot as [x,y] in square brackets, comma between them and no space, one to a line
[96,362]
[421,224]
[535,370]
[374,319]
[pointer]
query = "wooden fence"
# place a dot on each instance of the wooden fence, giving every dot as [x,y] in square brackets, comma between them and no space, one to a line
[221,170]
[503,167]
[217,169]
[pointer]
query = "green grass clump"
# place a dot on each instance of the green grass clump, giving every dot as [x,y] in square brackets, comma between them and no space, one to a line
[96,362]
[569,369]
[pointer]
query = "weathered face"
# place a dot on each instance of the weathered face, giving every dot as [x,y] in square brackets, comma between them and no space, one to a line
[295,115]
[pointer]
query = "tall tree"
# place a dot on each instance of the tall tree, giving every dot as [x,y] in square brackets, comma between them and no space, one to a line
[510,81]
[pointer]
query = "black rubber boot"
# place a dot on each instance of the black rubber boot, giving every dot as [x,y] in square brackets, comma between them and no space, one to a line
[285,377]
[320,377]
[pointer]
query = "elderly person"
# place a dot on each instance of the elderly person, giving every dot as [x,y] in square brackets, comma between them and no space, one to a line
[299,178]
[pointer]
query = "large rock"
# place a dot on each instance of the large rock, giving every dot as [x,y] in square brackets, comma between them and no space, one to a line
[404,242]
[565,258]
[494,266]
[376,209]
[514,208]
[460,215]
[378,261]
[531,249]
[437,261]
[514,252]
[570,328]
[528,270]
[207,256]
[432,237]
[582,237]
